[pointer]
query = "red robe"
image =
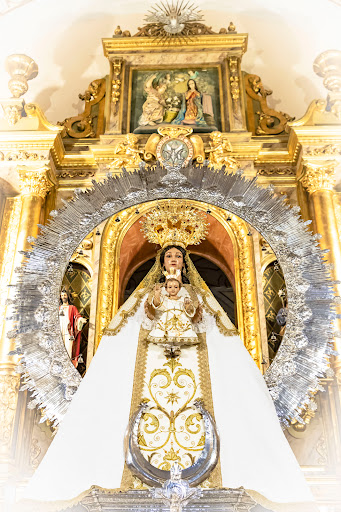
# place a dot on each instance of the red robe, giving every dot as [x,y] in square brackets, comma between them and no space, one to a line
[73,331]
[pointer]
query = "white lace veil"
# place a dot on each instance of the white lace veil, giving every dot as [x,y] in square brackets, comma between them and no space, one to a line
[208,301]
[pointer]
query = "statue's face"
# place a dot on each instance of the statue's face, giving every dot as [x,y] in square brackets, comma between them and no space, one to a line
[64,297]
[172,288]
[173,259]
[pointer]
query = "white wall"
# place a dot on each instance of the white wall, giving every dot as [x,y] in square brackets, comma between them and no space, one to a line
[64,38]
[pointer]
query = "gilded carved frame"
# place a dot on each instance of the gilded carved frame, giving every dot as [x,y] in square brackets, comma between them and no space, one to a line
[223,51]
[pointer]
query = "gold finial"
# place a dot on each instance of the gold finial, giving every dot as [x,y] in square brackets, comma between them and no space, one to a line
[21,68]
[118,31]
[178,224]
[231,27]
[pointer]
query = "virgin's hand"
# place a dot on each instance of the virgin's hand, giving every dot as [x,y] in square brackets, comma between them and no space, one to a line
[187,303]
[148,309]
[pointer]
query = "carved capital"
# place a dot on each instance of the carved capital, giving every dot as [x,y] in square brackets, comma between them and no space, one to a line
[35,182]
[316,177]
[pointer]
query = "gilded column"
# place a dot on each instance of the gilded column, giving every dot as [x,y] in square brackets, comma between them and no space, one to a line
[21,216]
[319,181]
[34,185]
[246,288]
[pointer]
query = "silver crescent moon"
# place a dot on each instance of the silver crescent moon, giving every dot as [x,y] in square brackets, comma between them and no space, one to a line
[155,477]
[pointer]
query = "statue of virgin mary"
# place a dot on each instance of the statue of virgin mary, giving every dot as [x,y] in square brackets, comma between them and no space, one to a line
[128,369]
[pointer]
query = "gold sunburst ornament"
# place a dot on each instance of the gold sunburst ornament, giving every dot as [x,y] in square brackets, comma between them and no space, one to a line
[170,19]
[171,224]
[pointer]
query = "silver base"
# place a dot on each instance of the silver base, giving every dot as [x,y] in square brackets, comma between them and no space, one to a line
[232,500]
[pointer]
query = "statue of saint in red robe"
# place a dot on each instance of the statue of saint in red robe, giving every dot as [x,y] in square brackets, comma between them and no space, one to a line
[71,325]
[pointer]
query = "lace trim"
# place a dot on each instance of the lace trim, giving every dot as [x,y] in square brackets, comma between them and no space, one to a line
[174,341]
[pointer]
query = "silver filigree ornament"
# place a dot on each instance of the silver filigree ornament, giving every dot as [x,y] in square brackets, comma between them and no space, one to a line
[309,287]
[173,17]
[175,492]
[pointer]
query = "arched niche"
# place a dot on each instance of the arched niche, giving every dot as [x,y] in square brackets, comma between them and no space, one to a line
[228,245]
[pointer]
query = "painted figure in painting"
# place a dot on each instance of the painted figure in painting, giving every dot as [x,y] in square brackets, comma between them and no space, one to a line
[191,111]
[153,108]
[194,106]
[177,97]
[129,369]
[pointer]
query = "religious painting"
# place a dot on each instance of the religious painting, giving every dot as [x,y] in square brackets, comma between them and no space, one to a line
[180,96]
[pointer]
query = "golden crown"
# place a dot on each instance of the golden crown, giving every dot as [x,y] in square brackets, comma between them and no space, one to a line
[175,224]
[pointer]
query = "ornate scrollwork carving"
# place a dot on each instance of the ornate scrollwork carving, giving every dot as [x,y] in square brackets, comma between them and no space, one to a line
[116,83]
[271,122]
[234,81]
[76,174]
[89,123]
[24,155]
[328,149]
[276,171]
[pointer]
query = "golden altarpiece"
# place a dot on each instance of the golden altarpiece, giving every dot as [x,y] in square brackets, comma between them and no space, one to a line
[41,165]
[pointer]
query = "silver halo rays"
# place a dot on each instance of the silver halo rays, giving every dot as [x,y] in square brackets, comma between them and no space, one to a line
[303,355]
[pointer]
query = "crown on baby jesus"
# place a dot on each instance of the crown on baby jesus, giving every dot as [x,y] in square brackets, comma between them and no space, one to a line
[175,224]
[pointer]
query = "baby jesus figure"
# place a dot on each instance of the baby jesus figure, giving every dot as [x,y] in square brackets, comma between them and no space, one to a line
[172,324]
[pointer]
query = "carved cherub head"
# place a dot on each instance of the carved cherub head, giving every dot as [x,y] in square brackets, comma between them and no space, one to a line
[216,137]
[131,139]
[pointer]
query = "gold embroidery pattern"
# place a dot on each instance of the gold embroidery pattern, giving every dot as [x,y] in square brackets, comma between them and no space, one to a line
[172,430]
[179,387]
